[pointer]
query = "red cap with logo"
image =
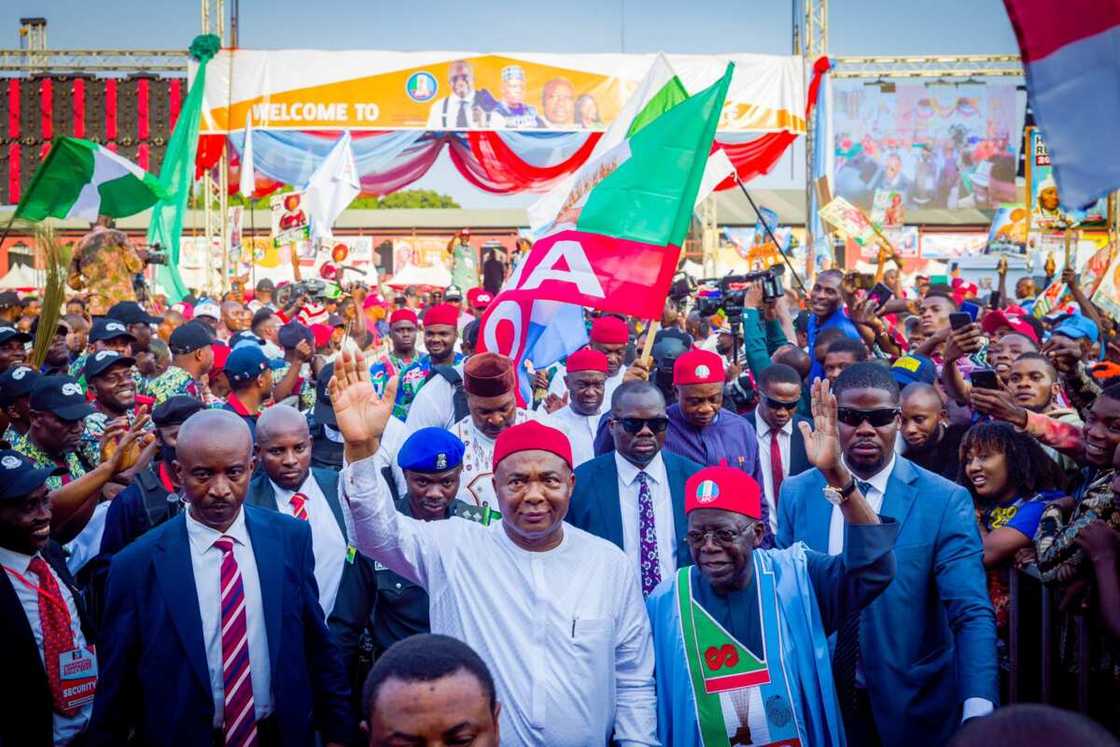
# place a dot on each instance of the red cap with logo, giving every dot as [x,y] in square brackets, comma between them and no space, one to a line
[479,297]
[532,436]
[724,489]
[587,359]
[443,313]
[698,367]
[609,330]
[996,320]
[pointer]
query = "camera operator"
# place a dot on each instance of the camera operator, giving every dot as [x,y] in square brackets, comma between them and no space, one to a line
[755,308]
[104,263]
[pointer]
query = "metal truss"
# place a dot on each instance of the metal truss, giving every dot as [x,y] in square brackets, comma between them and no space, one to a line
[951,68]
[93,61]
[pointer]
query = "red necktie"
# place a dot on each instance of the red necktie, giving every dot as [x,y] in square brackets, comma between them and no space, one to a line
[775,464]
[299,506]
[239,718]
[54,620]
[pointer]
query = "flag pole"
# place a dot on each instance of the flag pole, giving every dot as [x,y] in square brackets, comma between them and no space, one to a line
[651,332]
[770,234]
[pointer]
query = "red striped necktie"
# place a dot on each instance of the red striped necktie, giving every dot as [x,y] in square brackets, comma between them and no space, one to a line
[58,637]
[299,506]
[240,719]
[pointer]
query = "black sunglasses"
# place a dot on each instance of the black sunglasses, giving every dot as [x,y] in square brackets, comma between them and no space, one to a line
[777,404]
[635,425]
[877,418]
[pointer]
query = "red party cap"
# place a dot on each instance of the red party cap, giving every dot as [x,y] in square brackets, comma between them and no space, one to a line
[698,367]
[479,297]
[587,359]
[322,334]
[725,489]
[403,315]
[221,354]
[609,330]
[532,436]
[488,375]
[443,313]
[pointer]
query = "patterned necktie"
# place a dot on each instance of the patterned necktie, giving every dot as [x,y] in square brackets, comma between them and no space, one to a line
[239,720]
[845,659]
[299,506]
[461,118]
[775,464]
[647,537]
[54,620]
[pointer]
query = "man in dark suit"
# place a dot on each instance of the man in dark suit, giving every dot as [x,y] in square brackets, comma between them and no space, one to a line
[213,630]
[287,483]
[922,656]
[781,447]
[42,621]
[634,497]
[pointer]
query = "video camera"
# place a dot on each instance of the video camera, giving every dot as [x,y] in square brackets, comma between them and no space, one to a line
[156,255]
[313,288]
[732,291]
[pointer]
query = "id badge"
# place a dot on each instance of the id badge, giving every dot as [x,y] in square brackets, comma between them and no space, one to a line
[77,669]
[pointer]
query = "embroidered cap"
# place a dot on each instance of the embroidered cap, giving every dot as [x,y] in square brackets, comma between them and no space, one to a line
[16,382]
[101,361]
[725,489]
[19,476]
[61,396]
[698,367]
[531,436]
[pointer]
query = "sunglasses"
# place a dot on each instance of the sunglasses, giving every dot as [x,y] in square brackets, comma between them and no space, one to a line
[877,418]
[635,425]
[777,404]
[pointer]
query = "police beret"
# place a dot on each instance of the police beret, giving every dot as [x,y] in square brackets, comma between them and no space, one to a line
[175,410]
[431,450]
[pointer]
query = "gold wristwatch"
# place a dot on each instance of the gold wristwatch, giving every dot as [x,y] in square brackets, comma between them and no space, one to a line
[838,496]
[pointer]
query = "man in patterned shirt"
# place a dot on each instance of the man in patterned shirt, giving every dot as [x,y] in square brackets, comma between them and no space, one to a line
[15,390]
[104,261]
[109,376]
[403,324]
[292,386]
[106,334]
[441,331]
[192,359]
[57,408]
[13,347]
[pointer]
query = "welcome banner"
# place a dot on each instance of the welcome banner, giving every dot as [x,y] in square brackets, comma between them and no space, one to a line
[380,90]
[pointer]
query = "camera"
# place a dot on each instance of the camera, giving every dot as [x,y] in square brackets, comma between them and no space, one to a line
[731,291]
[740,394]
[313,288]
[156,255]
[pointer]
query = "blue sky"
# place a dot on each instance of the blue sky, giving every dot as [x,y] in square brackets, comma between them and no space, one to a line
[858,27]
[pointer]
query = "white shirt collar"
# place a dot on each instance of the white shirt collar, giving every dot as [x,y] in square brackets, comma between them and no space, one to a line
[17,561]
[628,472]
[284,496]
[202,537]
[763,428]
[878,480]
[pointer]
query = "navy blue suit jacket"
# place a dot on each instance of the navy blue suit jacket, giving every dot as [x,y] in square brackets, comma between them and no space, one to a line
[262,495]
[153,672]
[595,505]
[929,641]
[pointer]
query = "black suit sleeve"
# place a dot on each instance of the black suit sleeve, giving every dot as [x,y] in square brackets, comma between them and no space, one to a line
[331,693]
[353,609]
[118,649]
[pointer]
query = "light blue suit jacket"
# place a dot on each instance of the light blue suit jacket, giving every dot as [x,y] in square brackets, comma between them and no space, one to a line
[929,641]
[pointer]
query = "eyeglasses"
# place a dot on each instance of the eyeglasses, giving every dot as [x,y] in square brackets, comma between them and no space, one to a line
[777,404]
[697,538]
[635,425]
[877,418]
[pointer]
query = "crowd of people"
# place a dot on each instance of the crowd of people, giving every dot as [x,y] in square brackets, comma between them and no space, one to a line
[334,521]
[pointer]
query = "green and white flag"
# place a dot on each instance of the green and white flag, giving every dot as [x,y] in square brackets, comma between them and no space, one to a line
[81,179]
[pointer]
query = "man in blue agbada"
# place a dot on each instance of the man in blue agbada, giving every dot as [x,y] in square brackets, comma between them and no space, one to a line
[741,638]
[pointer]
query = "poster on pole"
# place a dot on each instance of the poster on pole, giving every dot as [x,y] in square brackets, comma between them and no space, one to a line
[1107,295]
[290,222]
[849,220]
[1047,212]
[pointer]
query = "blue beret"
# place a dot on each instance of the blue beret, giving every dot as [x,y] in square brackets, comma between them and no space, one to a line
[431,450]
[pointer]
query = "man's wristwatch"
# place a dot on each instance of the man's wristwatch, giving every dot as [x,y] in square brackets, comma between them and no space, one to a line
[838,496]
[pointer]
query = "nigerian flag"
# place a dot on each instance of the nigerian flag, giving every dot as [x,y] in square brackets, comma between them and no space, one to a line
[81,179]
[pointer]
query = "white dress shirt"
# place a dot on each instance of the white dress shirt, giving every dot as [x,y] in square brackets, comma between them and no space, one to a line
[785,434]
[206,560]
[433,405]
[972,707]
[580,430]
[558,386]
[628,488]
[444,114]
[65,727]
[564,632]
[327,543]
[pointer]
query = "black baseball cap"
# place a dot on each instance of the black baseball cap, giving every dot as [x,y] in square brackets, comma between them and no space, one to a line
[131,312]
[16,382]
[189,337]
[20,477]
[10,298]
[109,328]
[175,410]
[290,335]
[102,360]
[11,333]
[324,410]
[61,396]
